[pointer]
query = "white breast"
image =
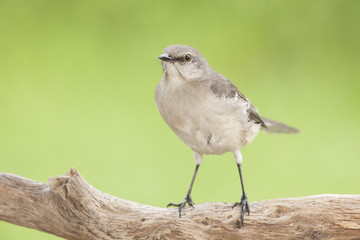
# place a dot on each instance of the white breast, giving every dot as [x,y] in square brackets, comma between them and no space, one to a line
[206,123]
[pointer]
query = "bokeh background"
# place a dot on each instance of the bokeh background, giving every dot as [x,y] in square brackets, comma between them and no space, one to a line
[77,81]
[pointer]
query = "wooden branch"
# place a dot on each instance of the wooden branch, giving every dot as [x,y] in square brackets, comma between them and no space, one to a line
[71,208]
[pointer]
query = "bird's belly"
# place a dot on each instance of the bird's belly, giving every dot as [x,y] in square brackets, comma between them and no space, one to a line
[212,133]
[217,138]
[207,124]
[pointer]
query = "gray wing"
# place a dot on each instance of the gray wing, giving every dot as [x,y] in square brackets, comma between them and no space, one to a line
[225,88]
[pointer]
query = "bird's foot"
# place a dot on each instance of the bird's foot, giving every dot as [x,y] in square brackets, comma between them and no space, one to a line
[187,200]
[244,207]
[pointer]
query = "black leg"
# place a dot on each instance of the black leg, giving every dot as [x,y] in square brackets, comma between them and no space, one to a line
[243,203]
[187,199]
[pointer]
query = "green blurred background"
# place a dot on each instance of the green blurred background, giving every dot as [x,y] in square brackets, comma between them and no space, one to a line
[77,81]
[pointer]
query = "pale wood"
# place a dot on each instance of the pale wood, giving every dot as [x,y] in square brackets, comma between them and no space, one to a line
[71,208]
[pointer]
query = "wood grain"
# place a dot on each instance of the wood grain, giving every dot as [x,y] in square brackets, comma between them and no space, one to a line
[69,207]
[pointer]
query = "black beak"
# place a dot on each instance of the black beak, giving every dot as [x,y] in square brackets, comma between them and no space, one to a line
[165,57]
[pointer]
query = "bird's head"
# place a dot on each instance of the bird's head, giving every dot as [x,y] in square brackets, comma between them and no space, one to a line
[183,60]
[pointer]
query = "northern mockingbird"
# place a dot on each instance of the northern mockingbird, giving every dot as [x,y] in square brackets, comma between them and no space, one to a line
[207,112]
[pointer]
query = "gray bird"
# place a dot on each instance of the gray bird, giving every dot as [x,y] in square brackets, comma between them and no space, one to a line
[207,112]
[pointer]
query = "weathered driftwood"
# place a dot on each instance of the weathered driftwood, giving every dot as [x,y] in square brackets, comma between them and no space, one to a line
[71,208]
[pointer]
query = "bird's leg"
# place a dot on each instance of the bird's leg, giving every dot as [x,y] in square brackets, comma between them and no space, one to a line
[187,199]
[244,202]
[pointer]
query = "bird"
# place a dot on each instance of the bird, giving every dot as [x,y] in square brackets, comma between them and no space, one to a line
[207,112]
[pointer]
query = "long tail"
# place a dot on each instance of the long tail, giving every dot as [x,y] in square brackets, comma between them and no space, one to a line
[277,127]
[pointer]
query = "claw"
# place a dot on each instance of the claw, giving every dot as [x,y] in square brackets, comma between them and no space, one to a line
[244,208]
[187,200]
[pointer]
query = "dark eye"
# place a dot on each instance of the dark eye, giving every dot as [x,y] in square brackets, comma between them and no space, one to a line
[187,58]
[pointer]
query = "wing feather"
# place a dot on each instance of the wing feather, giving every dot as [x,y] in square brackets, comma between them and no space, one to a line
[224,88]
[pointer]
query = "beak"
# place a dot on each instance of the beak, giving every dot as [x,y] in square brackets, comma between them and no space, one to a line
[165,57]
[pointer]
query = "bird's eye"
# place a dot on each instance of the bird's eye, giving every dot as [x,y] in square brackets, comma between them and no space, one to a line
[187,58]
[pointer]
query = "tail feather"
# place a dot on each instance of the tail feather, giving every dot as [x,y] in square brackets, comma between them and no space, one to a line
[272,126]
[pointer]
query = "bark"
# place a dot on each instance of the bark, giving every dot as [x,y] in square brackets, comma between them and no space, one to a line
[69,207]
